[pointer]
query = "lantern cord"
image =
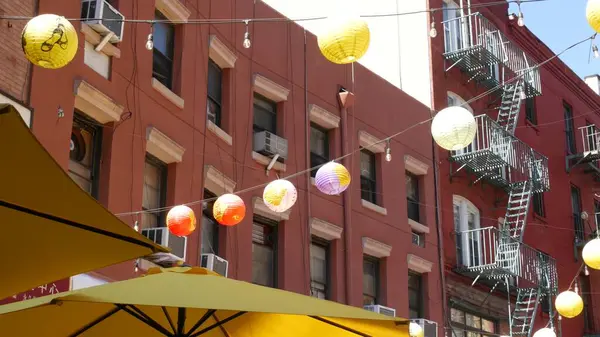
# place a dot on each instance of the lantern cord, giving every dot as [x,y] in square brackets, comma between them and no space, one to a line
[244,21]
[476,98]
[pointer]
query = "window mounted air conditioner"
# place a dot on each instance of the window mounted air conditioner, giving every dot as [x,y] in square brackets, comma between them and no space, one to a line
[215,263]
[380,309]
[163,237]
[430,328]
[103,18]
[270,144]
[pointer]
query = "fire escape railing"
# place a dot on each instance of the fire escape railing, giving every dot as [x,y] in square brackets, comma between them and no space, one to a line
[590,140]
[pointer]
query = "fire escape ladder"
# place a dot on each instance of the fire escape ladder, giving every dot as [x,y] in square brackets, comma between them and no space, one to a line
[525,310]
[517,209]
[510,105]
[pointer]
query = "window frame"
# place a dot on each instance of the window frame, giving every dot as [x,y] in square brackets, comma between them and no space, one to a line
[163,168]
[455,325]
[530,110]
[315,158]
[326,245]
[369,195]
[578,225]
[218,102]
[377,263]
[81,121]
[207,215]
[539,204]
[165,79]
[571,144]
[255,127]
[274,232]
[419,291]
[413,205]
[465,208]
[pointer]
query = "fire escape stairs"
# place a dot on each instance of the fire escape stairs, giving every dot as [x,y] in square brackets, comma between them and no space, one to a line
[510,105]
[526,306]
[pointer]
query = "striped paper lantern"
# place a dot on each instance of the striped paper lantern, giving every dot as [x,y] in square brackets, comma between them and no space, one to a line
[332,178]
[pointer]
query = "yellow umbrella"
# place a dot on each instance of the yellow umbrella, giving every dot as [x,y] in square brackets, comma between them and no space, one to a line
[51,229]
[191,302]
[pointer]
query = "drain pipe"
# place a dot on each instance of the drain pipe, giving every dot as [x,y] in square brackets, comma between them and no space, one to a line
[308,165]
[346,100]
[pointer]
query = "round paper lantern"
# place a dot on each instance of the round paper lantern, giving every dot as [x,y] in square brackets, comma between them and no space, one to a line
[346,40]
[332,178]
[415,330]
[280,195]
[453,128]
[181,220]
[591,254]
[49,41]
[229,210]
[592,14]
[568,304]
[545,332]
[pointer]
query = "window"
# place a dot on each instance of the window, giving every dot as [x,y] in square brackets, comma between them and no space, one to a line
[264,252]
[538,204]
[576,207]
[418,239]
[265,115]
[368,182]
[530,112]
[210,229]
[465,324]
[588,313]
[319,268]
[453,29]
[213,102]
[84,155]
[466,219]
[162,54]
[319,147]
[370,280]
[412,196]
[155,183]
[415,295]
[569,129]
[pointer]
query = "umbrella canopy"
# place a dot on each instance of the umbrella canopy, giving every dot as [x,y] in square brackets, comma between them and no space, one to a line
[51,228]
[185,301]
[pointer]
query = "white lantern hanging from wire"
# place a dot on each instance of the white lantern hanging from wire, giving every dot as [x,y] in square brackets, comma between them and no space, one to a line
[280,195]
[545,332]
[454,128]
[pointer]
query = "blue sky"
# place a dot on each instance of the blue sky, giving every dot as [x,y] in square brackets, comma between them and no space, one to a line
[561,23]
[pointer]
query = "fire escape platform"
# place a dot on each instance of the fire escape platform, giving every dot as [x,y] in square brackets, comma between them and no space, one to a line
[590,156]
[475,61]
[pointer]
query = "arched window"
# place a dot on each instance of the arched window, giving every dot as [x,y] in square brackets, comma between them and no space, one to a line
[468,237]
[455,100]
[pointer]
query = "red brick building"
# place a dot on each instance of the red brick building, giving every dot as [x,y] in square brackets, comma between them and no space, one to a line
[145,129]
[514,177]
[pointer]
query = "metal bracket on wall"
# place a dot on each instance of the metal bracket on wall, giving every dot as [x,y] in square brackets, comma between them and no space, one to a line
[271,164]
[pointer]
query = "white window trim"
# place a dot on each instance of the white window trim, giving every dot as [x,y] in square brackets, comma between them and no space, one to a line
[419,264]
[270,89]
[261,209]
[367,140]
[323,118]
[415,166]
[162,147]
[375,248]
[217,182]
[325,230]
[220,133]
[466,206]
[220,54]
[463,103]
[96,104]
[173,10]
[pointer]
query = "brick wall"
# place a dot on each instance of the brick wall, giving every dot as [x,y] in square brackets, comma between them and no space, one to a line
[13,65]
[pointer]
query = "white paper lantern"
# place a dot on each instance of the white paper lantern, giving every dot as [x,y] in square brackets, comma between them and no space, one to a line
[415,330]
[280,195]
[453,128]
[544,332]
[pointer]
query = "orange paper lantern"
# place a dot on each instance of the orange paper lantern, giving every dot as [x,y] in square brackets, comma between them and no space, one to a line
[229,210]
[181,220]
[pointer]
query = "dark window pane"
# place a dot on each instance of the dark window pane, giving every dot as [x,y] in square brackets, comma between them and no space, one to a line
[577,221]
[84,155]
[162,55]
[370,280]
[265,113]
[412,196]
[530,112]
[538,204]
[210,229]
[368,182]
[415,295]
[215,76]
[263,254]
[319,147]
[569,129]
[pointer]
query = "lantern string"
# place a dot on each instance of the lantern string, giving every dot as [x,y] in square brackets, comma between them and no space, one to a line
[316,18]
[360,148]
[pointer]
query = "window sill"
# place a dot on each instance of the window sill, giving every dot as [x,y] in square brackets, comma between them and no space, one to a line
[418,227]
[375,208]
[167,93]
[264,160]
[540,218]
[533,126]
[224,136]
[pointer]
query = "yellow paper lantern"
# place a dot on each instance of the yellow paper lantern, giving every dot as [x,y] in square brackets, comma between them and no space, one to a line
[591,254]
[49,41]
[346,40]
[280,195]
[592,14]
[568,304]
[454,128]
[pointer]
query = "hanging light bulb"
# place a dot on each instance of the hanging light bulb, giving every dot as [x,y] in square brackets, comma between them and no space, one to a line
[521,20]
[150,39]
[433,31]
[247,43]
[511,16]
[135,265]
[135,226]
[388,152]
[586,271]
[595,51]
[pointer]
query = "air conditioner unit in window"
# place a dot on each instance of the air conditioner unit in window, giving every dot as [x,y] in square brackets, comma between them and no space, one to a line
[215,263]
[380,309]
[163,237]
[103,18]
[416,239]
[269,144]
[430,328]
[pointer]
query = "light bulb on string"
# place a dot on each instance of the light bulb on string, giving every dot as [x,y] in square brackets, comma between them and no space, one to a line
[521,20]
[595,51]
[150,40]
[135,226]
[247,43]
[432,31]
[388,152]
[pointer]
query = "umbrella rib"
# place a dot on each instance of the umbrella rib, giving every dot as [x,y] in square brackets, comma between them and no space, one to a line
[180,321]
[168,318]
[218,324]
[147,320]
[95,322]
[76,224]
[201,321]
[337,325]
